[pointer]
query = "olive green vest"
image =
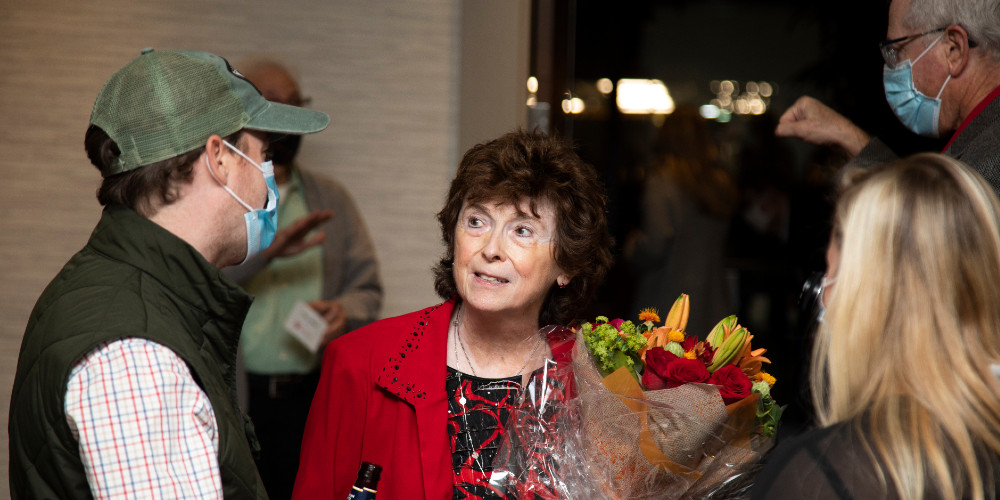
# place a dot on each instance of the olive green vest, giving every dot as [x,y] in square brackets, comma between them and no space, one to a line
[133,279]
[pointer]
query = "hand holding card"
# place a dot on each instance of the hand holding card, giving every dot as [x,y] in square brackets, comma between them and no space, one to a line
[306,325]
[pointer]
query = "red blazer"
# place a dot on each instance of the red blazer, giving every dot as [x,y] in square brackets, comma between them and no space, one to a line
[382,399]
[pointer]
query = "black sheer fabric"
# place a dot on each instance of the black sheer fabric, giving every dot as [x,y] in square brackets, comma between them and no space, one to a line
[829,463]
[833,463]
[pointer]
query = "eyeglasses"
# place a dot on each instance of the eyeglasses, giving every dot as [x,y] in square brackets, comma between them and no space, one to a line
[890,48]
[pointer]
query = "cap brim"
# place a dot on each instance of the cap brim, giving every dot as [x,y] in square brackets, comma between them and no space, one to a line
[285,119]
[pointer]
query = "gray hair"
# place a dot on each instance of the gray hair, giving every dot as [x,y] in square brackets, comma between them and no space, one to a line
[980,18]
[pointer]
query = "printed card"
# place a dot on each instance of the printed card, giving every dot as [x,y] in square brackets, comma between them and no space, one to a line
[306,325]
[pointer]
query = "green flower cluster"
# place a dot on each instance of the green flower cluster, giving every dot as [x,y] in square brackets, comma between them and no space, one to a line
[768,413]
[612,347]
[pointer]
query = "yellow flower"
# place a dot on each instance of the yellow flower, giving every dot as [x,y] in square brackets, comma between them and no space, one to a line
[649,314]
[690,355]
[676,336]
[766,377]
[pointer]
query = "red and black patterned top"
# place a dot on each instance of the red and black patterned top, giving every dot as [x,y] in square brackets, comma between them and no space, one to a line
[475,426]
[476,430]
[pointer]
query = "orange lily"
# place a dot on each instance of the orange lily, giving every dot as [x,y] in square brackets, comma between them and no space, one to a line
[657,337]
[677,318]
[750,360]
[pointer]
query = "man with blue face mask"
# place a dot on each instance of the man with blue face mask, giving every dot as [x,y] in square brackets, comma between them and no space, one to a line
[125,380]
[332,269]
[941,79]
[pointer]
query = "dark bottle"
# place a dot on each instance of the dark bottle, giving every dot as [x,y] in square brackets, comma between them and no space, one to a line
[364,488]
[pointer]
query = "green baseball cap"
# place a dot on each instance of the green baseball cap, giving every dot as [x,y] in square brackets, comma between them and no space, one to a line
[166,103]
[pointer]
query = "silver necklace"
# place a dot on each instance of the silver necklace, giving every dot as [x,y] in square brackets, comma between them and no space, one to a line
[458,374]
[468,359]
[458,337]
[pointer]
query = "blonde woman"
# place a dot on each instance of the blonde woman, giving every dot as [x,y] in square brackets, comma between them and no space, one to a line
[902,373]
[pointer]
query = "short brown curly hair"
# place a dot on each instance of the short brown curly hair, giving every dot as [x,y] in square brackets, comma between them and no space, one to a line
[142,189]
[533,166]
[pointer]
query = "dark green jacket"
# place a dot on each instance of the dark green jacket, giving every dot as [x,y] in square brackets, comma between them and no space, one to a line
[133,279]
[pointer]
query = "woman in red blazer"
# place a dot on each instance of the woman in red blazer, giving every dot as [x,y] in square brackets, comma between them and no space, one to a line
[425,395]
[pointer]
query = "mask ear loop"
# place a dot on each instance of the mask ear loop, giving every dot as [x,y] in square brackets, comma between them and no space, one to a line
[266,168]
[929,47]
[945,84]
[247,158]
[824,283]
[228,190]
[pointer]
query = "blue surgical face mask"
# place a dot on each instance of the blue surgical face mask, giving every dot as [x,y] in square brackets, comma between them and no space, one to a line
[918,112]
[261,224]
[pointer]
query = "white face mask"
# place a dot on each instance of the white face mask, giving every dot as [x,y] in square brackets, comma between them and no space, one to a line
[261,224]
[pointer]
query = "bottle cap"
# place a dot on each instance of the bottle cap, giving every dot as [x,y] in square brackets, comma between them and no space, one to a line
[369,474]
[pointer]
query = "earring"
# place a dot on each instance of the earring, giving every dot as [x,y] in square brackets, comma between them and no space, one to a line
[562,285]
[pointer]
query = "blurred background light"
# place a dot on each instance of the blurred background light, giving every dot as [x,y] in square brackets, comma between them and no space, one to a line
[605,85]
[532,84]
[709,111]
[637,96]
[754,100]
[742,107]
[573,106]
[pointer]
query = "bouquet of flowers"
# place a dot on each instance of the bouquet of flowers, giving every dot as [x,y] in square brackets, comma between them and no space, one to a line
[657,413]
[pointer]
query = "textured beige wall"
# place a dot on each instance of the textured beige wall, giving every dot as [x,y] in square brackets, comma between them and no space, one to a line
[388,72]
[493,68]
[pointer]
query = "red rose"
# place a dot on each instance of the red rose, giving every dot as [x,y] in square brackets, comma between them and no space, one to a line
[683,371]
[651,381]
[617,323]
[734,385]
[657,359]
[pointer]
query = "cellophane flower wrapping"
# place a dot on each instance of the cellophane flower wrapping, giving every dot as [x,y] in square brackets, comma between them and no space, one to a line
[607,438]
[540,453]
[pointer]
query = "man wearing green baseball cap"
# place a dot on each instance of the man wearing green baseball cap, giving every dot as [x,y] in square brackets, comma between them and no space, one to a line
[125,380]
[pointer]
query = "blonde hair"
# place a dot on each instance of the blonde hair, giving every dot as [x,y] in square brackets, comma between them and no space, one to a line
[913,325]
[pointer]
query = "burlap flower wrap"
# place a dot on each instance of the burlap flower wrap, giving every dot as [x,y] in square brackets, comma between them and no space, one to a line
[617,441]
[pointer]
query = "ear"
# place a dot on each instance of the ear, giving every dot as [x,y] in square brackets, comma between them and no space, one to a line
[562,280]
[215,150]
[956,41]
